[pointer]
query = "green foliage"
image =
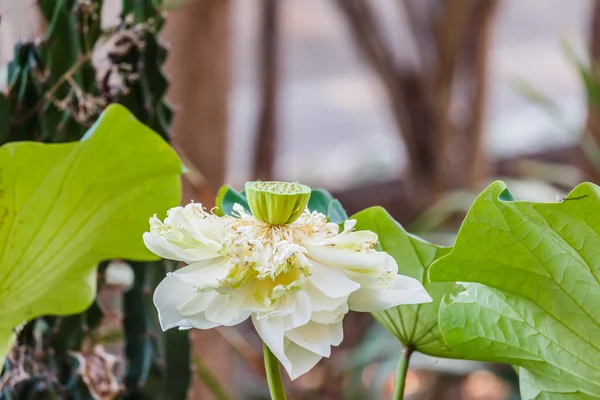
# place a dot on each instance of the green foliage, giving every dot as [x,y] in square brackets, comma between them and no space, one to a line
[227,198]
[142,65]
[54,96]
[320,200]
[416,326]
[65,208]
[588,73]
[158,364]
[531,294]
[324,202]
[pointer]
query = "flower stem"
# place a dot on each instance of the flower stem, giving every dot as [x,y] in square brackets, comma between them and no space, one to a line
[273,375]
[401,373]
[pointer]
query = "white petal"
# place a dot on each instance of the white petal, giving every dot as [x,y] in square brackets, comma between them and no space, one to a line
[185,327]
[271,332]
[348,240]
[336,333]
[295,359]
[330,316]
[317,338]
[320,302]
[406,290]
[301,314]
[162,247]
[169,296]
[225,310]
[284,305]
[197,304]
[301,360]
[204,274]
[331,283]
[375,278]
[365,268]
[364,262]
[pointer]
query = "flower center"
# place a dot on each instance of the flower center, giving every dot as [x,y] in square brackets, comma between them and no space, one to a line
[269,260]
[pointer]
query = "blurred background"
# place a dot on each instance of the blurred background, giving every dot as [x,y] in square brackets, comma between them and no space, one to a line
[415,105]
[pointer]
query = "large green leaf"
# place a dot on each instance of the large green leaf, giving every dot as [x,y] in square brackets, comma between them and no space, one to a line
[534,295]
[416,326]
[65,207]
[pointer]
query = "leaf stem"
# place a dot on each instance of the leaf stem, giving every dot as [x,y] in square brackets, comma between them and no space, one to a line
[401,373]
[273,375]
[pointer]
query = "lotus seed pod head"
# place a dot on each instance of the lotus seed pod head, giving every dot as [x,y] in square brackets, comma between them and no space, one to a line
[277,203]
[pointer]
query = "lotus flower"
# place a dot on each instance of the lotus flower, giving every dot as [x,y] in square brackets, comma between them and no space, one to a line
[287,268]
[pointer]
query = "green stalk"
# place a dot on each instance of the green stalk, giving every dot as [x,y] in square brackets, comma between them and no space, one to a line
[401,373]
[273,375]
[211,381]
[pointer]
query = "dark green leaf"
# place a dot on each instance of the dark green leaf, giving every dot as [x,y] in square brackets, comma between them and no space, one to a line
[227,198]
[336,212]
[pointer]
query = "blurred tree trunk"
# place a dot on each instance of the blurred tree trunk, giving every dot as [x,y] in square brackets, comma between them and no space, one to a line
[592,127]
[199,71]
[439,101]
[264,155]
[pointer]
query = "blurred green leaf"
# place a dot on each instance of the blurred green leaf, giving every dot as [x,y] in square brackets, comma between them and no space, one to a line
[416,326]
[587,73]
[532,292]
[536,96]
[64,208]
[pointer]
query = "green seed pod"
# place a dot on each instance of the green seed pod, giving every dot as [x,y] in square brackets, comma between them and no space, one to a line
[277,203]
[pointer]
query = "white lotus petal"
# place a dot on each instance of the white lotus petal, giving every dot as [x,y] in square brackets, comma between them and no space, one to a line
[185,327]
[320,302]
[188,234]
[406,290]
[204,274]
[330,282]
[169,295]
[300,315]
[330,316]
[300,360]
[382,277]
[317,338]
[162,247]
[368,263]
[336,333]
[225,310]
[197,304]
[272,334]
[348,240]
